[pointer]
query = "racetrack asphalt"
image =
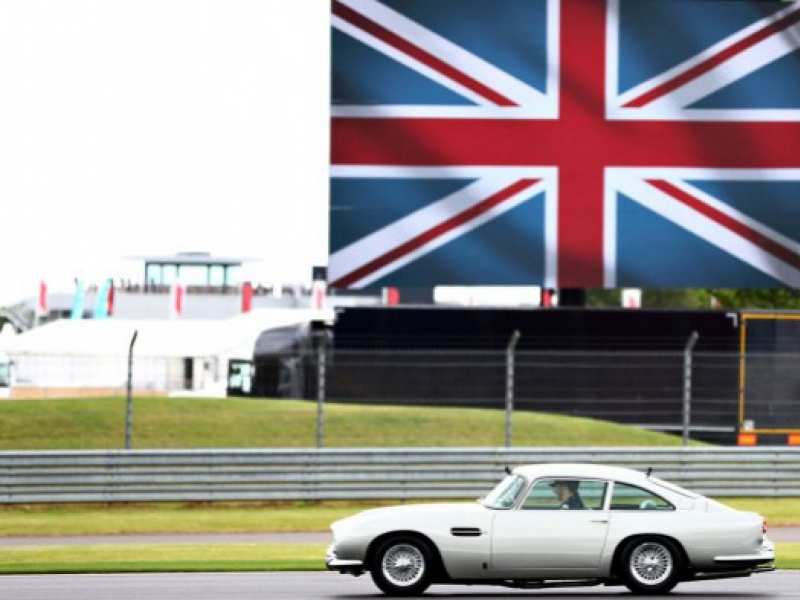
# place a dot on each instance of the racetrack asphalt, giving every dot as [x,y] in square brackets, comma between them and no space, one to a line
[322,586]
[776,534]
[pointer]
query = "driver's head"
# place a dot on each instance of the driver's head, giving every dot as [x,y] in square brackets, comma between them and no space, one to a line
[564,488]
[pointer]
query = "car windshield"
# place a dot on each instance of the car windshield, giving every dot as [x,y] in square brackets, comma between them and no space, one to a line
[505,495]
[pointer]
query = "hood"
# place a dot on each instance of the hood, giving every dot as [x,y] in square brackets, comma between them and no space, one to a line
[408,514]
[411,510]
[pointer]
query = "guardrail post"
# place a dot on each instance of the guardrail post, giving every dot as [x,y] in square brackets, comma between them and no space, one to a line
[321,350]
[512,345]
[129,398]
[687,385]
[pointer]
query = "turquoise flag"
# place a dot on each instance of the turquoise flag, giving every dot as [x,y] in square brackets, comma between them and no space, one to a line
[78,300]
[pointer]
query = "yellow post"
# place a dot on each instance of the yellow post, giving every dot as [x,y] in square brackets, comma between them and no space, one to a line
[742,346]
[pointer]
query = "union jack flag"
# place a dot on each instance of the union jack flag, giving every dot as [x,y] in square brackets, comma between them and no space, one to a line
[566,143]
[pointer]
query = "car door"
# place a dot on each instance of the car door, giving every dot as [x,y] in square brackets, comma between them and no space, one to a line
[546,531]
[635,510]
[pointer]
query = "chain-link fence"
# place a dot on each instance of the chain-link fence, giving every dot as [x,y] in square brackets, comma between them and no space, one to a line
[653,390]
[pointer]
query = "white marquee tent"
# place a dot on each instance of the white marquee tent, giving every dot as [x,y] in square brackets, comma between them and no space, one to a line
[167,356]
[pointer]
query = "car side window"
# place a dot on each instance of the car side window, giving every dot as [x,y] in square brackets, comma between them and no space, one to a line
[564,493]
[631,497]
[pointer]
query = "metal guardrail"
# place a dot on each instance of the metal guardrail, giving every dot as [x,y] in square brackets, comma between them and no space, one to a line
[396,473]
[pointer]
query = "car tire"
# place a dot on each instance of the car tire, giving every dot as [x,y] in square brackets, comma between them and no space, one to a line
[402,566]
[650,566]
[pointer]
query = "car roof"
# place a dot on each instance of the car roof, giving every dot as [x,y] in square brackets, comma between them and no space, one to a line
[580,470]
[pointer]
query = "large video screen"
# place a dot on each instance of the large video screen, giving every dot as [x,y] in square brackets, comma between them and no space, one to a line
[565,143]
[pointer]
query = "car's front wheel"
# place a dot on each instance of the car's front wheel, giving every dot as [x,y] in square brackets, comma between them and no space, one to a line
[651,566]
[402,566]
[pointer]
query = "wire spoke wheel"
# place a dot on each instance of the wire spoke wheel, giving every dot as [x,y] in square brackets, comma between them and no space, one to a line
[403,565]
[651,563]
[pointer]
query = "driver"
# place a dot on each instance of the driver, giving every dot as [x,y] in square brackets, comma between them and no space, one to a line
[567,492]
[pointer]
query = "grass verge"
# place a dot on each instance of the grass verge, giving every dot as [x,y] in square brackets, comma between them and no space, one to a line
[204,557]
[99,423]
[788,555]
[63,520]
[156,558]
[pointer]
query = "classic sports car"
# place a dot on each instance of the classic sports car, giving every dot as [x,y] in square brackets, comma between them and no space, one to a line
[556,525]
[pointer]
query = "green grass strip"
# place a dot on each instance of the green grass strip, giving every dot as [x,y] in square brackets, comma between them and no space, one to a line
[156,558]
[99,423]
[788,555]
[152,558]
[65,520]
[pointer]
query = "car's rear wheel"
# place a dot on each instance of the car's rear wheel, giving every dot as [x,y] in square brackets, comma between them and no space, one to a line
[402,566]
[651,566]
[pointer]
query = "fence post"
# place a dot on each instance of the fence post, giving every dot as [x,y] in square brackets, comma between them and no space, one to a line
[512,345]
[321,350]
[687,385]
[129,399]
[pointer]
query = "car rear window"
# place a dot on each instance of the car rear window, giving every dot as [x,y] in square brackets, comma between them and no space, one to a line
[629,497]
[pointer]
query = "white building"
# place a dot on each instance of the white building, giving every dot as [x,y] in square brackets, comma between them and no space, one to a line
[72,357]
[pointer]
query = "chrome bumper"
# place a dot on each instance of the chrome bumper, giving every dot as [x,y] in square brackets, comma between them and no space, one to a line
[344,566]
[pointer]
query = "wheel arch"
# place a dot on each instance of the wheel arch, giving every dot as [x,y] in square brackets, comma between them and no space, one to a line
[439,569]
[616,561]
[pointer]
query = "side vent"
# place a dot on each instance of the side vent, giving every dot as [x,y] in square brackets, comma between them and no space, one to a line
[466,531]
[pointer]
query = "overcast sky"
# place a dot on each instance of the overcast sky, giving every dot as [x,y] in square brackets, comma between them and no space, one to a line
[138,127]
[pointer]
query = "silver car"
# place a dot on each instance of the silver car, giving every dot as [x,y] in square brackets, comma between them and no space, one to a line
[556,525]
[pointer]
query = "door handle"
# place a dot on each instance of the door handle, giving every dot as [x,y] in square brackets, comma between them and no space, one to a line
[599,521]
[466,532]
